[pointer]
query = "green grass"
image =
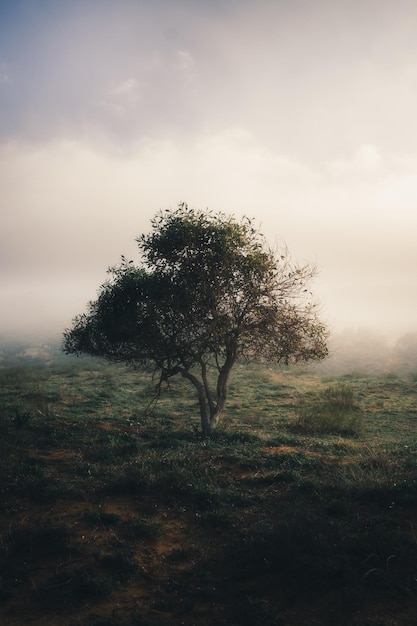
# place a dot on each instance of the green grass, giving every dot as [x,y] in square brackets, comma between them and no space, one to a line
[331,410]
[117,511]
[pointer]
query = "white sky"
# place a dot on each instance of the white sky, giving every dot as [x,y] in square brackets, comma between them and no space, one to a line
[299,113]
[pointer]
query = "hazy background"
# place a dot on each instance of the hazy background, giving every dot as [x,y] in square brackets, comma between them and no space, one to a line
[299,113]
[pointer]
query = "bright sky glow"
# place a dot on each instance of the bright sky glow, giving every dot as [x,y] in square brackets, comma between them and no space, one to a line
[300,114]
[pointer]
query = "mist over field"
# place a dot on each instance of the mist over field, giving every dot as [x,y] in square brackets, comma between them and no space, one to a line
[361,352]
[298,114]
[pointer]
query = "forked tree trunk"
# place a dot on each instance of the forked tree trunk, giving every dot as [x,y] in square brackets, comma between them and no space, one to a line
[211,405]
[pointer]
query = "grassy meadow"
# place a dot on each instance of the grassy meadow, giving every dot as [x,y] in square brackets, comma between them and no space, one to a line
[301,509]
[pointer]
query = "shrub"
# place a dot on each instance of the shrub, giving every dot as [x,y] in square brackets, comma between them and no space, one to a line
[333,410]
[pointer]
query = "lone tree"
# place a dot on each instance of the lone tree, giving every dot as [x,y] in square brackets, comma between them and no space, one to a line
[208,291]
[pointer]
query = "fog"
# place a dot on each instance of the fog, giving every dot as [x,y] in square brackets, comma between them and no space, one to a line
[299,114]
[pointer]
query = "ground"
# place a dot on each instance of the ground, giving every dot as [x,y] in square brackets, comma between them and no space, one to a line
[114,516]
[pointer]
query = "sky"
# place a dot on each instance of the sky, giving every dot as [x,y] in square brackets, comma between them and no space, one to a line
[298,113]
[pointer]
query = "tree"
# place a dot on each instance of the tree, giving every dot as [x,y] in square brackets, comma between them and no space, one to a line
[206,292]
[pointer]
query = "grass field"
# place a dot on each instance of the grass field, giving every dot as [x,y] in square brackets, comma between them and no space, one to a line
[116,511]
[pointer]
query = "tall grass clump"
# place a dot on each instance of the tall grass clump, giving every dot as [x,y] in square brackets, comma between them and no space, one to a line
[332,410]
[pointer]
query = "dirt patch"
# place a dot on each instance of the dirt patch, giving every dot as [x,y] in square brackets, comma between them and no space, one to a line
[292,450]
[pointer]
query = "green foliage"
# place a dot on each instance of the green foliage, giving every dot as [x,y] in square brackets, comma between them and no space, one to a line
[207,292]
[332,410]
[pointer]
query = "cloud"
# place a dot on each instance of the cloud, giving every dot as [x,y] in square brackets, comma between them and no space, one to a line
[314,80]
[183,62]
[123,98]
[75,198]
[4,73]
[365,160]
[398,192]
[299,114]
[79,209]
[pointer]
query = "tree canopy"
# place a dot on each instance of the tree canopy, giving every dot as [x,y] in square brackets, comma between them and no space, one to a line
[207,291]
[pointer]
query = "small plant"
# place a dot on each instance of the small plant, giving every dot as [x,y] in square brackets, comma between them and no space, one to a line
[332,410]
[412,376]
[21,417]
[390,376]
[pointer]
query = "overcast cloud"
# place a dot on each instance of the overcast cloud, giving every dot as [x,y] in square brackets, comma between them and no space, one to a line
[300,114]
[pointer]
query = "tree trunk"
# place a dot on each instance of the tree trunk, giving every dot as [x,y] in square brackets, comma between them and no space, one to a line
[209,411]
[222,382]
[205,413]
[211,406]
